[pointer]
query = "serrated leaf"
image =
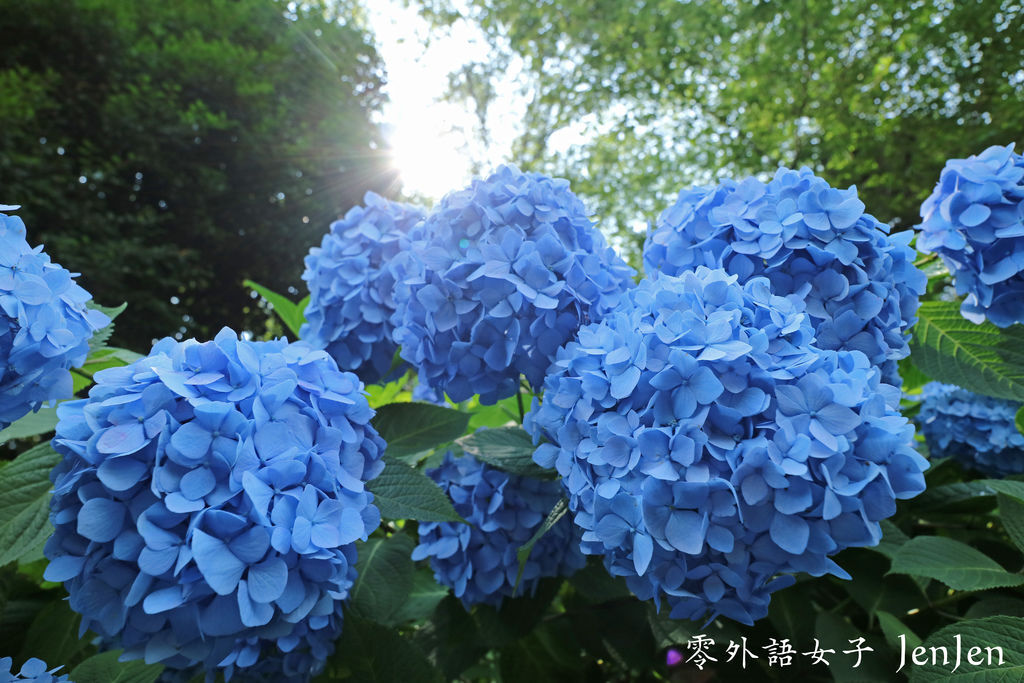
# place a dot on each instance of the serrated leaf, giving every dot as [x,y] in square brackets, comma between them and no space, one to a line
[423,598]
[980,358]
[42,421]
[523,554]
[101,336]
[401,492]
[893,539]
[373,653]
[53,635]
[913,378]
[288,311]
[104,668]
[25,502]
[385,574]
[1011,513]
[410,428]
[1003,632]
[507,448]
[955,564]
[1019,420]
[893,628]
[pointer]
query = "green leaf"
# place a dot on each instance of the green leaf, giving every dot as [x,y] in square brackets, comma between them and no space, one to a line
[373,653]
[290,313]
[913,378]
[385,574]
[104,668]
[25,502]
[1011,513]
[410,428]
[401,492]
[980,358]
[110,356]
[955,564]
[893,539]
[1019,420]
[523,554]
[507,448]
[893,628]
[1002,632]
[42,421]
[53,635]
[423,598]
[102,335]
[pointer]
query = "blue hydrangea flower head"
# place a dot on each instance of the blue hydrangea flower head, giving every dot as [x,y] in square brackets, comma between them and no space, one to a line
[859,284]
[510,268]
[710,450]
[208,501]
[45,325]
[978,431]
[34,671]
[974,219]
[478,561]
[351,286]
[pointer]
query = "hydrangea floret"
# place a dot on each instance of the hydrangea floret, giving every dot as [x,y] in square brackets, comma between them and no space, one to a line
[511,267]
[351,286]
[976,430]
[710,450]
[974,219]
[207,504]
[859,284]
[45,325]
[34,671]
[478,561]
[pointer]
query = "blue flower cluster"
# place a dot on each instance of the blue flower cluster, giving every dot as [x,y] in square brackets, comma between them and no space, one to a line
[479,561]
[351,286]
[975,220]
[208,501]
[859,284]
[45,326]
[978,431]
[707,446]
[33,670]
[511,267]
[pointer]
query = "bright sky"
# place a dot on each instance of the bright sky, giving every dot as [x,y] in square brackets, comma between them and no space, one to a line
[430,138]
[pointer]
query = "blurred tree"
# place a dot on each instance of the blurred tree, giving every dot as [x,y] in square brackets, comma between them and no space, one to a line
[877,93]
[168,150]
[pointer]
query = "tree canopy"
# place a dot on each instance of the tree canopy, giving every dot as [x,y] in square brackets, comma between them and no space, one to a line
[167,151]
[876,93]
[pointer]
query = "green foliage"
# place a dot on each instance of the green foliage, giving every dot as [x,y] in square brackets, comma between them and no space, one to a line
[667,94]
[412,428]
[25,502]
[42,421]
[507,448]
[401,492]
[523,554]
[956,564]
[385,578]
[371,652]
[291,314]
[104,668]
[1003,631]
[980,358]
[171,150]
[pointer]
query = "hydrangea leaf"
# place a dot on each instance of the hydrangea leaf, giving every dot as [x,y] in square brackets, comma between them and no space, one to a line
[523,554]
[410,428]
[53,634]
[893,628]
[42,421]
[1002,631]
[385,579]
[507,448]
[980,358]
[25,502]
[1011,512]
[1019,420]
[374,653]
[104,668]
[424,596]
[101,336]
[401,492]
[291,313]
[956,564]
